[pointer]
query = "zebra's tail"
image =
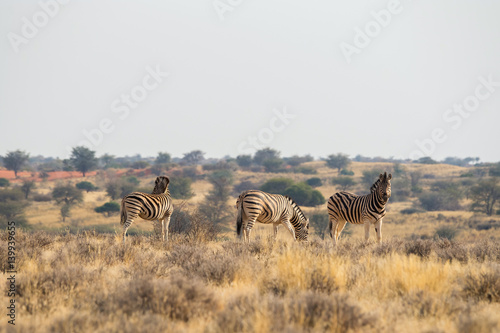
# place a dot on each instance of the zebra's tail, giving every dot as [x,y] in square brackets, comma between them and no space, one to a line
[123,213]
[239,219]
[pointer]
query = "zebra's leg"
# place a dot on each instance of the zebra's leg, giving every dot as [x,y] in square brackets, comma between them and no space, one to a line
[165,228]
[378,230]
[367,230]
[333,229]
[247,228]
[275,227]
[126,225]
[340,227]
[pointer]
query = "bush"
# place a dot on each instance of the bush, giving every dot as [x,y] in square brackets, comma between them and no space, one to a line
[273,164]
[305,170]
[277,185]
[108,208]
[345,172]
[38,197]
[305,195]
[4,182]
[86,186]
[319,223]
[180,188]
[370,177]
[344,182]
[140,165]
[297,160]
[192,226]
[314,182]
[485,286]
[409,211]
[446,232]
[244,161]
[244,186]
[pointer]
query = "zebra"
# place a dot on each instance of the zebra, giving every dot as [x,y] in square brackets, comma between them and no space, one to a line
[257,206]
[155,206]
[367,209]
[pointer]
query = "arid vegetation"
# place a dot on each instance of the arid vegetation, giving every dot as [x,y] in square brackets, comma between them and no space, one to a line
[92,282]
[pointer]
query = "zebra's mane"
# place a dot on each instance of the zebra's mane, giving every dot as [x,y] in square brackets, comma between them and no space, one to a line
[294,204]
[375,186]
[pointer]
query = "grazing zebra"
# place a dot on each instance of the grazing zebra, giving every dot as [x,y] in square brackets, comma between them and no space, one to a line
[154,206]
[257,206]
[347,207]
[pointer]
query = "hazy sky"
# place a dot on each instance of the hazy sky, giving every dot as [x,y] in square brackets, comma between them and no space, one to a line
[377,78]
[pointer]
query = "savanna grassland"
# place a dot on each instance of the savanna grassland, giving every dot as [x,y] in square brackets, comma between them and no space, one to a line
[78,276]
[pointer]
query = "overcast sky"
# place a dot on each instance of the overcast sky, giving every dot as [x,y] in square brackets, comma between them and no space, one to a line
[376,78]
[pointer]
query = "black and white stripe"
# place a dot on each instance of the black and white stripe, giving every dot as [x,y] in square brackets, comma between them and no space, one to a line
[367,209]
[257,206]
[155,206]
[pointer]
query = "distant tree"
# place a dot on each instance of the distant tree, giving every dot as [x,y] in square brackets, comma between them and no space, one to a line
[15,160]
[444,195]
[344,183]
[163,158]
[83,159]
[485,196]
[67,194]
[215,205]
[27,186]
[273,164]
[140,165]
[194,157]
[415,177]
[67,165]
[118,188]
[425,160]
[44,175]
[244,161]
[65,211]
[12,207]
[86,186]
[180,188]
[107,160]
[296,160]
[109,208]
[314,182]
[265,154]
[494,170]
[338,161]
[345,172]
[4,182]
[277,185]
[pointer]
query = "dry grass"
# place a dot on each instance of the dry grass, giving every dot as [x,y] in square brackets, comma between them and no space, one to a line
[92,282]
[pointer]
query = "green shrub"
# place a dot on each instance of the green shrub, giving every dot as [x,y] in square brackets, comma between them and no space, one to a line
[305,170]
[409,211]
[277,185]
[108,208]
[4,182]
[446,232]
[86,186]
[180,188]
[314,182]
[305,195]
[345,172]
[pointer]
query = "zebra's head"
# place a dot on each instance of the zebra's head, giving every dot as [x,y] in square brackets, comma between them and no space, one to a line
[303,233]
[384,188]
[161,185]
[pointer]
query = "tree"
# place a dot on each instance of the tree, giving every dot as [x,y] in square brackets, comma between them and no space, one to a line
[276,185]
[244,160]
[4,182]
[485,195]
[494,170]
[265,154]
[27,186]
[296,160]
[67,194]
[180,188]
[194,157]
[344,183]
[215,207]
[119,188]
[425,160]
[14,160]
[12,207]
[163,158]
[107,160]
[272,164]
[83,159]
[109,208]
[245,185]
[370,177]
[444,195]
[86,186]
[140,165]
[338,161]
[65,211]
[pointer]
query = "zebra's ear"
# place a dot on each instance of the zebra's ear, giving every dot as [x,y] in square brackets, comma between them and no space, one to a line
[157,180]
[389,177]
[168,180]
[381,176]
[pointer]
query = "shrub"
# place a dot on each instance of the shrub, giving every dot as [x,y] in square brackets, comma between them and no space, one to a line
[409,211]
[180,188]
[244,161]
[192,226]
[38,197]
[343,182]
[345,172]
[86,186]
[314,182]
[273,164]
[446,232]
[4,182]
[244,186]
[319,224]
[305,195]
[277,185]
[108,208]
[484,286]
[369,177]
[305,170]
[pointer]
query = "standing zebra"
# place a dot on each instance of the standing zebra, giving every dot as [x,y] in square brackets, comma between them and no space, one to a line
[154,206]
[257,206]
[347,207]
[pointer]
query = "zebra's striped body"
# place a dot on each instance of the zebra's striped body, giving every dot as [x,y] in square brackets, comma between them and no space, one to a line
[257,206]
[367,209]
[154,206]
